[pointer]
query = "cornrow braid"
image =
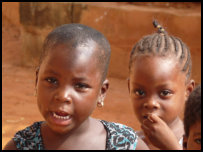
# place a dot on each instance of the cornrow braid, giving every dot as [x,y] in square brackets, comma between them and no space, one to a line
[162,44]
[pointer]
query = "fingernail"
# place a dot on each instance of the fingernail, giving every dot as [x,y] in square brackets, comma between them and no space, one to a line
[150,117]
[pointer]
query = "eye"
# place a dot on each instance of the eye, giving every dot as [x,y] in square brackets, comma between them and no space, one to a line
[139,93]
[198,141]
[165,93]
[52,80]
[81,86]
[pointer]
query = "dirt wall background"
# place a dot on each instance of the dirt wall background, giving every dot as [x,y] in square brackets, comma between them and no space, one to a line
[25,25]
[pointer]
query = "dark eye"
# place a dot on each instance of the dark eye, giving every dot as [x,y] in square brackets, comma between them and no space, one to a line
[52,80]
[81,86]
[139,92]
[198,141]
[165,93]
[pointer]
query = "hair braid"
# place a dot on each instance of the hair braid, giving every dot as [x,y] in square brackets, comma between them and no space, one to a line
[175,44]
[162,44]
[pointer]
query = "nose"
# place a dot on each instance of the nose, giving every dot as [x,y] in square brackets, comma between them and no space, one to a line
[63,95]
[151,104]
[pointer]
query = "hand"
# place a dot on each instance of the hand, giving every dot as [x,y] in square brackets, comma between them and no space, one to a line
[159,134]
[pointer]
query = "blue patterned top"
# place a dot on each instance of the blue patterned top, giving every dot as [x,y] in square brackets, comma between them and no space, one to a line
[119,137]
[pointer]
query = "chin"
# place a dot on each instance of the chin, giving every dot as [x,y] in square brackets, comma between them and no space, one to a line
[60,129]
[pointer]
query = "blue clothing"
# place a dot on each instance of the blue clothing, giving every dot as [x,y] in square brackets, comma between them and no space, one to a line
[119,137]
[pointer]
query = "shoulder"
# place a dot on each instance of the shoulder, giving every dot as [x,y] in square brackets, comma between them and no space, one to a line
[29,138]
[120,136]
[10,145]
[141,145]
[117,126]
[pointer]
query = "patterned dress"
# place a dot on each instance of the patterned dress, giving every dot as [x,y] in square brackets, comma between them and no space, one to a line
[119,137]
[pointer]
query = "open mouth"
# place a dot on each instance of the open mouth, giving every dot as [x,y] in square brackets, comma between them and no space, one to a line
[61,115]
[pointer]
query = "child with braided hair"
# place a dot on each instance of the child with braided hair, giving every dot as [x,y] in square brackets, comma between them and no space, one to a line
[159,84]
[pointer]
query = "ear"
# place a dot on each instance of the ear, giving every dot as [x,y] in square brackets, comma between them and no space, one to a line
[37,73]
[104,88]
[128,79]
[185,139]
[189,88]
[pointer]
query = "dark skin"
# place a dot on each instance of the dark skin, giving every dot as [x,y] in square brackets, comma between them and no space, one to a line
[158,90]
[68,85]
[193,141]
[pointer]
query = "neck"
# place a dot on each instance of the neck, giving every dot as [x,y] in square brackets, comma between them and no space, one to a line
[177,127]
[75,132]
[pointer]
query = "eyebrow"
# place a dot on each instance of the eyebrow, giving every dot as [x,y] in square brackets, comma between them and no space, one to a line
[160,86]
[57,74]
[138,85]
[80,79]
[197,134]
[52,72]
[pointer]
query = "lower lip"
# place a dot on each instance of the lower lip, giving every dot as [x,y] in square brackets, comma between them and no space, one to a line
[58,121]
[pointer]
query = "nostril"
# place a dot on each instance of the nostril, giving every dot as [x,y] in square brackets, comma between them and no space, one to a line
[155,107]
[145,106]
[63,99]
[68,100]
[151,106]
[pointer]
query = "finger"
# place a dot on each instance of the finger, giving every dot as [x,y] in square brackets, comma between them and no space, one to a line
[154,118]
[145,129]
[147,122]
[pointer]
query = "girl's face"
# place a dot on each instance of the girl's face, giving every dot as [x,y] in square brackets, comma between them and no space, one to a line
[157,86]
[68,86]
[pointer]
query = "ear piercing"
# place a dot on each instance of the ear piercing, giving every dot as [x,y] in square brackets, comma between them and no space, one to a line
[100,102]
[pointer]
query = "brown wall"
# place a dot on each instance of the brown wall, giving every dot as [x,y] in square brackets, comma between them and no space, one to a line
[123,25]
[10,11]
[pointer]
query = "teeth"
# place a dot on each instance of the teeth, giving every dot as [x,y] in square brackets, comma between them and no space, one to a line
[61,117]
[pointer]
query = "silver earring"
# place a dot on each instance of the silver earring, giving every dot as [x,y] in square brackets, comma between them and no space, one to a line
[100,103]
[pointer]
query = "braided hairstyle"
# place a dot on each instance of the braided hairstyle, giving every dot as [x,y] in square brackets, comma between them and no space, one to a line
[163,44]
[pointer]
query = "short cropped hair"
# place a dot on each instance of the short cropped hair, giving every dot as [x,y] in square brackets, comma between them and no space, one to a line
[76,34]
[192,112]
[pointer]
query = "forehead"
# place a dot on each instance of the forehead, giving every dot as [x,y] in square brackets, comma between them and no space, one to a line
[154,68]
[66,57]
[196,127]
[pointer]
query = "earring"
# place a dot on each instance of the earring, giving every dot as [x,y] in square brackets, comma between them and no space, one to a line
[100,103]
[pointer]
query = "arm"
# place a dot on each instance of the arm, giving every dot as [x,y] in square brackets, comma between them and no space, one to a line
[159,134]
[10,145]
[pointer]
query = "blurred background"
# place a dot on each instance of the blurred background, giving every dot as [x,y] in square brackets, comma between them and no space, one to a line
[26,24]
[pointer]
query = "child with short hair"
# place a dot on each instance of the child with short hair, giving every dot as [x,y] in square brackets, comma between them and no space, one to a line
[70,82]
[192,121]
[159,84]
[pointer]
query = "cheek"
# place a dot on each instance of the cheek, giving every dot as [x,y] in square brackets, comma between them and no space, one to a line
[170,110]
[137,107]
[191,145]
[85,102]
[84,108]
[43,98]
[176,103]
